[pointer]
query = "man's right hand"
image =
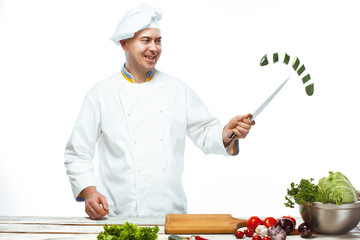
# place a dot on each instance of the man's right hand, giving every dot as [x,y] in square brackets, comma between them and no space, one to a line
[96,205]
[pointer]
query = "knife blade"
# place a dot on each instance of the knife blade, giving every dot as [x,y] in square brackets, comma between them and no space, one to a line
[262,106]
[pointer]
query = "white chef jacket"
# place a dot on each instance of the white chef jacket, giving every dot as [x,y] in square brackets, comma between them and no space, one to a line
[140,130]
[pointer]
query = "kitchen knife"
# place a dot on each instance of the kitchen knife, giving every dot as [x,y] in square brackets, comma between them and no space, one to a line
[267,101]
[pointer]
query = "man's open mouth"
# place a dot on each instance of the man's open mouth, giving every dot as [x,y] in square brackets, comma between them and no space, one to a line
[150,57]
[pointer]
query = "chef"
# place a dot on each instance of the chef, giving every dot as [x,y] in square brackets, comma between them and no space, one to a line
[139,119]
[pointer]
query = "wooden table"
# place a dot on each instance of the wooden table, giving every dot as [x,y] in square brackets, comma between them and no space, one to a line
[80,228]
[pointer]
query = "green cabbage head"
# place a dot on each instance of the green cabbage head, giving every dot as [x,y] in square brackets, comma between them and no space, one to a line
[337,189]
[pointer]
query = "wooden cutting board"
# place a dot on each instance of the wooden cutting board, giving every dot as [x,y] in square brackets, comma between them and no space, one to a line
[202,223]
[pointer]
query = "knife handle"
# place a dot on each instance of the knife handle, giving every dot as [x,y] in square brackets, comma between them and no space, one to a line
[232,135]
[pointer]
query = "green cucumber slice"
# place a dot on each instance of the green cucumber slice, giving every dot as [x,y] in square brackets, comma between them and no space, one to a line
[301,70]
[264,61]
[306,78]
[275,57]
[309,89]
[296,63]
[286,59]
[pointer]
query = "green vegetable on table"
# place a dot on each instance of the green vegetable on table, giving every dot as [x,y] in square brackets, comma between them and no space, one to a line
[334,189]
[128,231]
[176,237]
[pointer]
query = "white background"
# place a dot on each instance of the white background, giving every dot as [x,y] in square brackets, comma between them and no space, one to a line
[52,52]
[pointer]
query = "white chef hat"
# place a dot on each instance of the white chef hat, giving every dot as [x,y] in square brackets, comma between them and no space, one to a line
[144,16]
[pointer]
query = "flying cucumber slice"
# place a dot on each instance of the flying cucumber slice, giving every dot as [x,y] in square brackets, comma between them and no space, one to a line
[301,70]
[309,89]
[286,59]
[275,57]
[296,63]
[264,61]
[306,78]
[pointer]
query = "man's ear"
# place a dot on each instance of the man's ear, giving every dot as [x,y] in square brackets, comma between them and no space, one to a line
[123,44]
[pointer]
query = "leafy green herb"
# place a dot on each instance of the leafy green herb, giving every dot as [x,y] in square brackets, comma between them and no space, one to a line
[128,231]
[304,193]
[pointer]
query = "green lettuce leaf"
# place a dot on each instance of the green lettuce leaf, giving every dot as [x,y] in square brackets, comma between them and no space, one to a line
[128,231]
[337,189]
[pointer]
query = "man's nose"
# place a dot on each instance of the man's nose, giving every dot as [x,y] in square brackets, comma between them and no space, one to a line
[152,46]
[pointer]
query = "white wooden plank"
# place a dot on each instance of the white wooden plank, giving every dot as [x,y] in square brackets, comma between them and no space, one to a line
[81,220]
[21,236]
[51,228]
[31,236]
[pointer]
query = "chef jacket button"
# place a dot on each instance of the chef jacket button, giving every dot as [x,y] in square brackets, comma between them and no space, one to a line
[134,141]
[161,139]
[160,110]
[129,114]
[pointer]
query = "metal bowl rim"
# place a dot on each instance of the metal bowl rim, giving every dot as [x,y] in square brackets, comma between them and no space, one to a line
[335,206]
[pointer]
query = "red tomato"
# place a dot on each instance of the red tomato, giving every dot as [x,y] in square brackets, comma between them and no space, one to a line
[291,218]
[256,237]
[239,234]
[249,232]
[253,222]
[266,238]
[270,221]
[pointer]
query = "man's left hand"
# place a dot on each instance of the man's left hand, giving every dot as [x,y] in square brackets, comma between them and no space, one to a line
[240,125]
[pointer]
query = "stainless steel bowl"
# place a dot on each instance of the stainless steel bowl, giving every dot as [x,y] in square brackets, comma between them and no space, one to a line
[331,218]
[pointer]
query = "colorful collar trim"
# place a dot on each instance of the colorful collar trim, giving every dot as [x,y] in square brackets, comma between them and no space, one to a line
[130,78]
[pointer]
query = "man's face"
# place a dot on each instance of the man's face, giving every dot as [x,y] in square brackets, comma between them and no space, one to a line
[143,50]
